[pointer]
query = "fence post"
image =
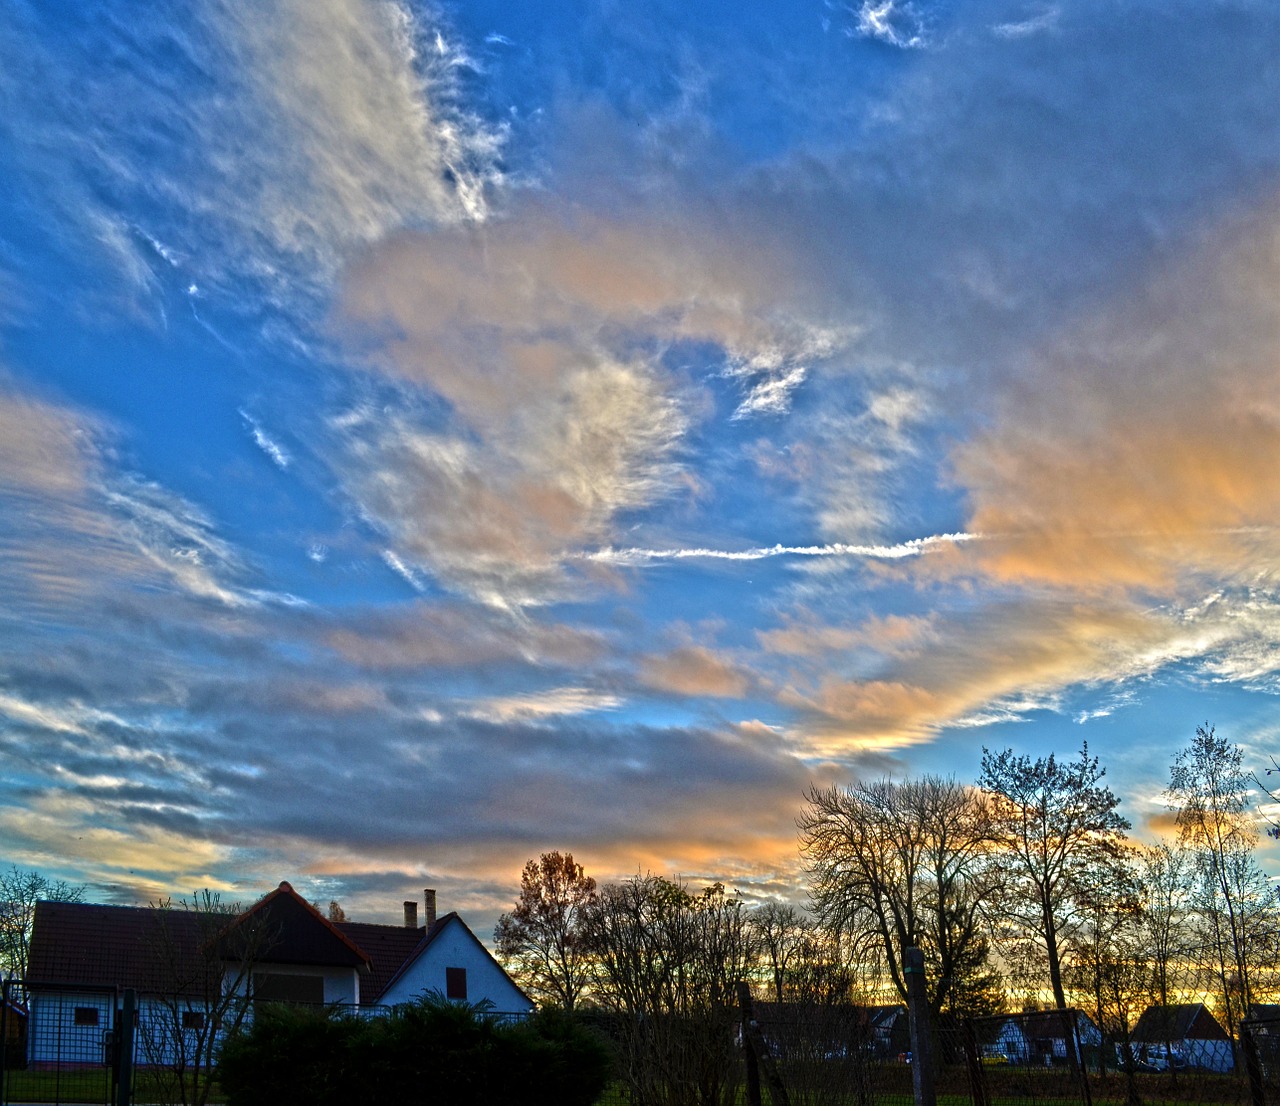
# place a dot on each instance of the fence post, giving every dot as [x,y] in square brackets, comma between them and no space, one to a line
[753,1067]
[1078,1064]
[1249,1047]
[754,1042]
[4,1040]
[124,1049]
[977,1077]
[921,1042]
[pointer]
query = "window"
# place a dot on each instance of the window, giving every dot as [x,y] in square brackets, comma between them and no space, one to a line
[455,983]
[86,1015]
[193,1019]
[278,987]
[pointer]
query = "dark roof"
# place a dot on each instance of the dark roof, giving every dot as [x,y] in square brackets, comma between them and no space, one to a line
[388,947]
[1049,1025]
[154,950]
[125,946]
[294,931]
[1184,1022]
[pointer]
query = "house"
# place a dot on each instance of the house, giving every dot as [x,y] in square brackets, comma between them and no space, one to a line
[1042,1038]
[1187,1034]
[890,1029]
[186,964]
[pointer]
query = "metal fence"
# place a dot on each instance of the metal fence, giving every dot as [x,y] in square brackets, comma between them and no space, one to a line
[60,1044]
[63,1044]
[70,1043]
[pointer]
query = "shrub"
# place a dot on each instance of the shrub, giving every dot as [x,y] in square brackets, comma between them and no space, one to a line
[428,1051]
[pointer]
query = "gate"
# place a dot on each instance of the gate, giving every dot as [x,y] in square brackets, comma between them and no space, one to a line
[62,1045]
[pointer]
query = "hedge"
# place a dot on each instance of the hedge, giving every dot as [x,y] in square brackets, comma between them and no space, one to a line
[431,1051]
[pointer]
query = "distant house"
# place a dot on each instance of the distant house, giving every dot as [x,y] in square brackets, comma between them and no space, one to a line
[1043,1037]
[82,954]
[890,1029]
[1187,1033]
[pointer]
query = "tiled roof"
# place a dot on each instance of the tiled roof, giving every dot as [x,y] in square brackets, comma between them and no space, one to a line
[126,946]
[388,947]
[154,950]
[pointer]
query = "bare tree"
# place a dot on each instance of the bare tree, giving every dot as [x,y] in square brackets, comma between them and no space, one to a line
[20,890]
[1057,827]
[204,952]
[669,961]
[901,865]
[1165,877]
[1107,966]
[541,940]
[1209,790]
[783,934]
[1272,791]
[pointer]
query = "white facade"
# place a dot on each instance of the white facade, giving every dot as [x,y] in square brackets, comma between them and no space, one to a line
[455,947]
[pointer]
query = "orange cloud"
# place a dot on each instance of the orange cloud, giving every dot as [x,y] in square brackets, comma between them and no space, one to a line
[1142,451]
[694,670]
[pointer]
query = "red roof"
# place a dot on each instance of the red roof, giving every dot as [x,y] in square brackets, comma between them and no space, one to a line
[126,946]
[388,947]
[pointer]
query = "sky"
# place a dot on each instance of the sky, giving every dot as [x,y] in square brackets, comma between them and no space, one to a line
[436,434]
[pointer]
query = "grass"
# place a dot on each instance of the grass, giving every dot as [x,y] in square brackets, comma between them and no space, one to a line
[93,1085]
[79,1085]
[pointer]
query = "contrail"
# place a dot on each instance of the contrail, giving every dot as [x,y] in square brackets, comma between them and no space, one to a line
[912,548]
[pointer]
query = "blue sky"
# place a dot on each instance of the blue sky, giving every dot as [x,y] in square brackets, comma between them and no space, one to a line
[435,434]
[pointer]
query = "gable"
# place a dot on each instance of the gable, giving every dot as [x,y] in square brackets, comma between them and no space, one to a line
[289,930]
[1178,1022]
[451,944]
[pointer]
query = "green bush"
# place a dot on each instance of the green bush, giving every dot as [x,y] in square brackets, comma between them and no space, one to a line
[431,1051]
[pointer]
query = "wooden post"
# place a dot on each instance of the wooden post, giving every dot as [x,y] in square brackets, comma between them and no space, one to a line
[758,1055]
[921,1043]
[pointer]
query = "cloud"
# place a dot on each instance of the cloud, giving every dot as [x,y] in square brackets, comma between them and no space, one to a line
[270,143]
[896,22]
[694,670]
[77,526]
[545,333]
[904,681]
[444,635]
[1141,448]
[363,94]
[278,454]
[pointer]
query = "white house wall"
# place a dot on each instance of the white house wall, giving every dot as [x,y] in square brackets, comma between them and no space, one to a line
[1209,1055]
[455,947]
[52,1034]
[341,985]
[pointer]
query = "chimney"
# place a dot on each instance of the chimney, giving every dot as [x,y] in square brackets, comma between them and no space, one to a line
[410,914]
[429,897]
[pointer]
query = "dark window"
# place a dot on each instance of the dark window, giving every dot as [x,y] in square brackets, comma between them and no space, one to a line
[86,1015]
[276,987]
[455,982]
[193,1019]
